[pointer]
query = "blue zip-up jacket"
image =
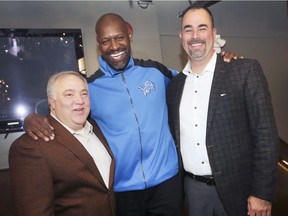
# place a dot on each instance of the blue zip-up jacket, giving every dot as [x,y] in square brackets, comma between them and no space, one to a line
[130,108]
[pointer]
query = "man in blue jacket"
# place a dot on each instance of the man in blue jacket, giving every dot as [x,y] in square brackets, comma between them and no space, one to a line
[129,104]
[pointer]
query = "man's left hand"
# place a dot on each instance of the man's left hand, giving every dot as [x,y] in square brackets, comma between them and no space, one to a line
[258,207]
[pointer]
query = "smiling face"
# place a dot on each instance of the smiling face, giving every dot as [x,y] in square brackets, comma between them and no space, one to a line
[69,101]
[114,40]
[198,34]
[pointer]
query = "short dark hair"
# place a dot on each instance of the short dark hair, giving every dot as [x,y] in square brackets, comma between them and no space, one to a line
[195,6]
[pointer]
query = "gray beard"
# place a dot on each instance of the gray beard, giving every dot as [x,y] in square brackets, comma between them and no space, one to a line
[196,54]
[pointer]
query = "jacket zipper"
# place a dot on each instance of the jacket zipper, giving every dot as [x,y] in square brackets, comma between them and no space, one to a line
[138,125]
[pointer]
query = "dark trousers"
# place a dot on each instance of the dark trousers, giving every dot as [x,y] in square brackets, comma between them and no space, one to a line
[165,199]
[202,199]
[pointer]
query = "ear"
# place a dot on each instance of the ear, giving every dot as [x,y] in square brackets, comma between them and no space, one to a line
[51,102]
[129,30]
[180,35]
[97,41]
[214,32]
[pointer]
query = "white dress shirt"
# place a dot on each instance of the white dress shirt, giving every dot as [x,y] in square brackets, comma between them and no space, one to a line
[94,147]
[193,118]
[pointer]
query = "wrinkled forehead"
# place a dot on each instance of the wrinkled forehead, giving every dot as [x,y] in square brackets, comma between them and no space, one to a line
[70,81]
[111,29]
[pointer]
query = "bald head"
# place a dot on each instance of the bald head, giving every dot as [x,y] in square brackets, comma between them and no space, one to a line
[110,19]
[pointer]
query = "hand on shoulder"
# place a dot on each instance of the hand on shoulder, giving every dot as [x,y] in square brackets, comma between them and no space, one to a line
[228,56]
[37,126]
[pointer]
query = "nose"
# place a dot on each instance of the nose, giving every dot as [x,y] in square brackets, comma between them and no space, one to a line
[114,44]
[79,99]
[195,34]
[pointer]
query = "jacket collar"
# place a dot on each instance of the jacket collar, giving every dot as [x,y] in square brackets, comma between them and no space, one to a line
[65,138]
[109,70]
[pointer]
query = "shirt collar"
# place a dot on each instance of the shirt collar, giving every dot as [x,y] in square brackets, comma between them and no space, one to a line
[88,128]
[210,67]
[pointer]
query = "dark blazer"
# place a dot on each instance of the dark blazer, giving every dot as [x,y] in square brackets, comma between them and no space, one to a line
[59,177]
[241,137]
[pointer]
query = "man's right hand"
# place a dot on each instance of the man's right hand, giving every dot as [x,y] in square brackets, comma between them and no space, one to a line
[38,126]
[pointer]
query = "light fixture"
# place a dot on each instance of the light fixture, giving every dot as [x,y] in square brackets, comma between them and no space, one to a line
[144,3]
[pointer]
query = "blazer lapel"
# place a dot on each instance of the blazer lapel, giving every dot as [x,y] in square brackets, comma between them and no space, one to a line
[216,89]
[65,138]
[178,90]
[101,137]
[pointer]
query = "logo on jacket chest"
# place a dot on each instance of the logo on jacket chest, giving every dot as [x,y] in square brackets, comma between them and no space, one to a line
[147,87]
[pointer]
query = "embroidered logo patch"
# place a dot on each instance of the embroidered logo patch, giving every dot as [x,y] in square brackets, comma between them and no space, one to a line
[147,88]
